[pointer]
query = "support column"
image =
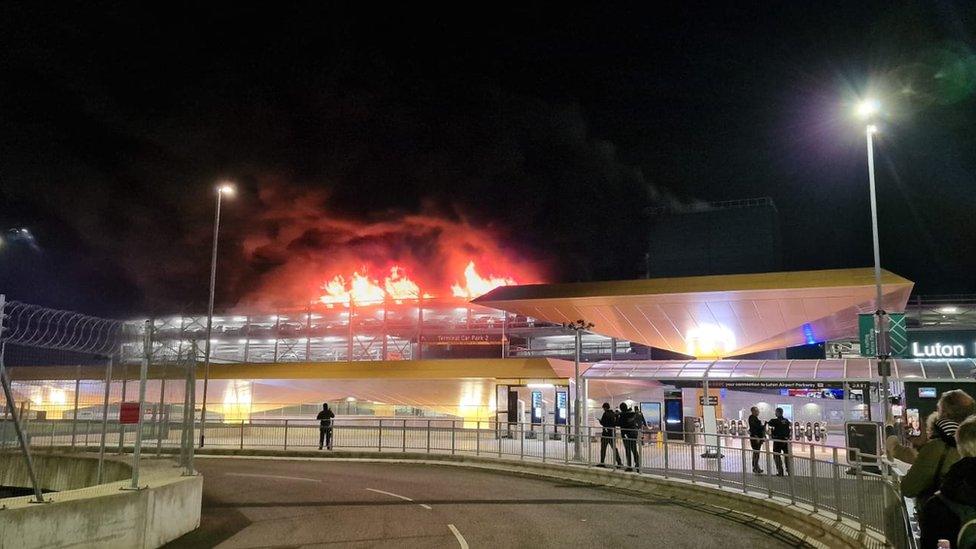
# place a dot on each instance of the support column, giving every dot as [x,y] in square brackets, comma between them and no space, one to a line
[74,418]
[122,427]
[101,445]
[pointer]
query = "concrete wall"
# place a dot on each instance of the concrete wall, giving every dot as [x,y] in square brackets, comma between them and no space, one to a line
[146,518]
[59,473]
[103,516]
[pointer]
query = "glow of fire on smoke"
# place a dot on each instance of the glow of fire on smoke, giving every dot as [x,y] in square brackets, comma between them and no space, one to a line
[360,288]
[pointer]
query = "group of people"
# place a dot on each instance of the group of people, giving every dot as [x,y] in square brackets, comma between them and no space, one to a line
[631,423]
[780,429]
[942,477]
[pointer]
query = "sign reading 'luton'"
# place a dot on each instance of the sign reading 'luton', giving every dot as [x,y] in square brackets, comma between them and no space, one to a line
[940,350]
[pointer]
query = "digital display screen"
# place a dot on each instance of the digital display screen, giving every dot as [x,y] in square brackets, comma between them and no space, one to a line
[833,394]
[652,414]
[927,392]
[561,399]
[536,406]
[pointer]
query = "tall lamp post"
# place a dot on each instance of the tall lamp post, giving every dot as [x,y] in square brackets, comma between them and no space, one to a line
[868,111]
[578,327]
[222,189]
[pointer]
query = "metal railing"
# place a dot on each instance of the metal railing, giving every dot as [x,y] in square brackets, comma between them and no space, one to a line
[838,483]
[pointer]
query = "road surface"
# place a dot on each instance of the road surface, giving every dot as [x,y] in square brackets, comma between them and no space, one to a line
[344,503]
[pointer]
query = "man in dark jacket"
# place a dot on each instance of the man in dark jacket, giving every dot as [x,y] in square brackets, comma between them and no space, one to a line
[325,426]
[955,504]
[629,431]
[781,435]
[608,436]
[757,434]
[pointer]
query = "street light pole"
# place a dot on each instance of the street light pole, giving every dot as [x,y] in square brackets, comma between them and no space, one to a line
[578,328]
[879,312]
[221,190]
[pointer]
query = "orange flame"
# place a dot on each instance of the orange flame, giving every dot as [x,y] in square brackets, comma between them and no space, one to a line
[359,288]
[399,287]
[475,285]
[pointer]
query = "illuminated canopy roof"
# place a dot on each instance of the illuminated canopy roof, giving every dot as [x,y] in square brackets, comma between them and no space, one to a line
[703,316]
[854,369]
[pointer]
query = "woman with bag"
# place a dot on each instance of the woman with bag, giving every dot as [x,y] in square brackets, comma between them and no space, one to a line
[939,453]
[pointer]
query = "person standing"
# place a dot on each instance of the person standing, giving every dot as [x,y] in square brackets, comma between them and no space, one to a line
[609,434]
[325,418]
[953,507]
[757,434]
[781,428]
[629,431]
[939,453]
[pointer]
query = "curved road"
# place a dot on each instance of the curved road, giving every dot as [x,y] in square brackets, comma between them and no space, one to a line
[344,503]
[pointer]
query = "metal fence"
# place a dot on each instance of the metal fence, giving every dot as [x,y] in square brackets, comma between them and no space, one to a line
[38,337]
[840,484]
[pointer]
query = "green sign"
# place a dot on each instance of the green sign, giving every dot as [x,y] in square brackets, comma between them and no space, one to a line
[897,334]
[865,329]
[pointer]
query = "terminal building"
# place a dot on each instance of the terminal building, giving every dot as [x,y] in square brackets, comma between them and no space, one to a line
[507,357]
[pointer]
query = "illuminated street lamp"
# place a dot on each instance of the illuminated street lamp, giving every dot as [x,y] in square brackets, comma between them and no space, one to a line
[228,190]
[578,326]
[868,110]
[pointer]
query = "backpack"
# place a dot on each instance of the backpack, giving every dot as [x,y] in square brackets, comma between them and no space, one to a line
[967,522]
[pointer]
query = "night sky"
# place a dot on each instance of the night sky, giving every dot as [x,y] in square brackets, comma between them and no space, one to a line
[551,129]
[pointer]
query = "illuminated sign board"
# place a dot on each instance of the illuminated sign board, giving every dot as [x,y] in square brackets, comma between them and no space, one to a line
[561,401]
[461,339]
[536,406]
[942,344]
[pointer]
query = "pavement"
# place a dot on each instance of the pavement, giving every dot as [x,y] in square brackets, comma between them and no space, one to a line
[345,503]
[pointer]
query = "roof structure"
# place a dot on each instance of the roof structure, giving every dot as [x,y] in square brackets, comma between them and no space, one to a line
[836,370]
[713,316]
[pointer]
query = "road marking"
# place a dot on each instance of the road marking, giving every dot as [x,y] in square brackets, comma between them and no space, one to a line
[405,498]
[460,538]
[271,476]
